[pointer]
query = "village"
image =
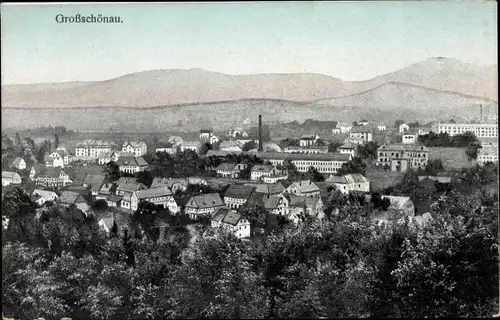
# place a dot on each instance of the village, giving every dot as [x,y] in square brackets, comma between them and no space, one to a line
[237,173]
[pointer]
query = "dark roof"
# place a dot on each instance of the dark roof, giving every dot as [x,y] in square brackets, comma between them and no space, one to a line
[208,200]
[181,199]
[286,156]
[164,182]
[239,191]
[131,161]
[225,167]
[70,197]
[270,188]
[132,187]
[219,214]
[153,193]
[94,180]
[115,198]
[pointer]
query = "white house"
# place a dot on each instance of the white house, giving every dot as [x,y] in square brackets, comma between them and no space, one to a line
[131,164]
[409,137]
[190,145]
[229,220]
[363,123]
[277,204]
[260,170]
[205,134]
[308,140]
[381,127]
[344,127]
[45,195]
[54,160]
[350,182]
[304,188]
[336,131]
[9,177]
[361,135]
[214,139]
[19,163]
[138,148]
[403,128]
[167,147]
[159,196]
[348,148]
[91,149]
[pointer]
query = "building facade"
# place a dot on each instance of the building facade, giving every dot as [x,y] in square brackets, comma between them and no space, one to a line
[400,157]
[482,130]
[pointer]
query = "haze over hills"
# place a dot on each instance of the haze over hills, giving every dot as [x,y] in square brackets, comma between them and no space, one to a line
[444,80]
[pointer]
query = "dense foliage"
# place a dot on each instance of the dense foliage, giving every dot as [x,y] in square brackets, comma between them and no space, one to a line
[58,263]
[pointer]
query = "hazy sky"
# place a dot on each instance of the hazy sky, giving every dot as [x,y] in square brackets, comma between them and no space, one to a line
[351,41]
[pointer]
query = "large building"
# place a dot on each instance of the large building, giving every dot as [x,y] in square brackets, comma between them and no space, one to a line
[400,157]
[91,149]
[138,148]
[323,162]
[481,130]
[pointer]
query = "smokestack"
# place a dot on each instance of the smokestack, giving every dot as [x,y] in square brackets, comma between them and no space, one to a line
[260,133]
[481,108]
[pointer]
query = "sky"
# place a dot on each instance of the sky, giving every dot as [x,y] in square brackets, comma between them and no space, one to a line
[347,40]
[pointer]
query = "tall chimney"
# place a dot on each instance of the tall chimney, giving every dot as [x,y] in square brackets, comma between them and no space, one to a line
[260,133]
[481,108]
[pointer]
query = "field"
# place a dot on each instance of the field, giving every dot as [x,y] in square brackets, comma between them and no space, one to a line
[452,158]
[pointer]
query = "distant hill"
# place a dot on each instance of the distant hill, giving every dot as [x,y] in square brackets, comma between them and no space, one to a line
[397,94]
[446,74]
[197,86]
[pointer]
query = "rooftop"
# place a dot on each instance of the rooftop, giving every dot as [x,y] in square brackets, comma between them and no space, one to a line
[153,193]
[239,191]
[208,200]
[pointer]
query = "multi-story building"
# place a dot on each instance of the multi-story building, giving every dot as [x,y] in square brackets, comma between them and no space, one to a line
[9,178]
[309,149]
[350,182]
[229,220]
[403,128]
[131,164]
[481,130]
[91,149]
[237,195]
[50,176]
[323,162]
[308,140]
[167,147]
[305,188]
[348,148]
[138,148]
[361,135]
[203,204]
[487,154]
[260,170]
[159,196]
[400,157]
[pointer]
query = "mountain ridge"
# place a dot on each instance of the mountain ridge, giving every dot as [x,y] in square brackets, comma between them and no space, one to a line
[169,87]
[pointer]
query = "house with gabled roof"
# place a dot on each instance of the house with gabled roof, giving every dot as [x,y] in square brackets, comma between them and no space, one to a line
[175,185]
[348,148]
[50,176]
[167,147]
[401,157]
[231,221]
[260,170]
[131,164]
[308,140]
[299,206]
[349,182]
[237,195]
[19,163]
[305,188]
[361,134]
[129,187]
[94,182]
[9,177]
[230,145]
[158,196]
[190,145]
[269,188]
[69,198]
[45,195]
[203,204]
[277,204]
[138,148]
